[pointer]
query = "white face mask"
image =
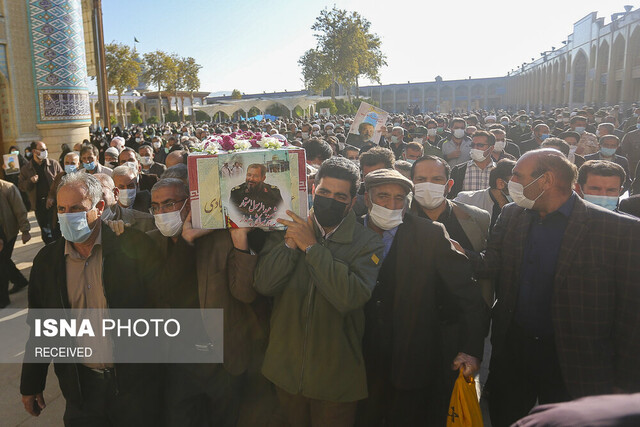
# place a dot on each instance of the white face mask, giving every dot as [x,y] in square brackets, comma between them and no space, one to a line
[157,145]
[478,155]
[170,223]
[127,197]
[146,160]
[572,149]
[516,191]
[432,132]
[305,135]
[429,195]
[499,146]
[43,155]
[458,133]
[385,218]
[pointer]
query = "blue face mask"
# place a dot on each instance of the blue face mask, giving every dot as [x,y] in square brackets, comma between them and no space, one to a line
[89,166]
[607,152]
[74,226]
[638,125]
[412,161]
[504,123]
[580,129]
[70,168]
[544,136]
[607,202]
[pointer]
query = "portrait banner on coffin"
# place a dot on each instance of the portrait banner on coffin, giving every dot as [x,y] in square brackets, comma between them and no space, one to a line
[251,188]
[367,126]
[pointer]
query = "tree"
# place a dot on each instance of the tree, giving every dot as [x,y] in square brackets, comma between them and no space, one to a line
[122,70]
[134,116]
[152,120]
[345,50]
[327,103]
[175,78]
[191,81]
[236,94]
[160,70]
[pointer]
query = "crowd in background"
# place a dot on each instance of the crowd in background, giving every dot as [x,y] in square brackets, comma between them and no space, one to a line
[357,313]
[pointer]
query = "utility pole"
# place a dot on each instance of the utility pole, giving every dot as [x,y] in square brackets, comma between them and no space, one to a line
[101,66]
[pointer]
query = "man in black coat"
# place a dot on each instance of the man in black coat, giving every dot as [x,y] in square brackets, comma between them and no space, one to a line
[426,317]
[66,275]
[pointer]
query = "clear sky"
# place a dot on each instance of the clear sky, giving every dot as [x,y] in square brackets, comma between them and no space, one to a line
[254,46]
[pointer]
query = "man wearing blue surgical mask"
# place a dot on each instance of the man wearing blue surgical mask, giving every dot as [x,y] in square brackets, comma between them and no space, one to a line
[608,146]
[601,183]
[91,268]
[425,320]
[89,157]
[540,133]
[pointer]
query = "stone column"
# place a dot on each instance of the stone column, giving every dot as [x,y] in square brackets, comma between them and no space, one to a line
[60,72]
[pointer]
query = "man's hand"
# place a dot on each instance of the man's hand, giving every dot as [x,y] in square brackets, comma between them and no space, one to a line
[34,404]
[117,226]
[239,238]
[34,178]
[454,154]
[470,364]
[299,230]
[49,202]
[190,234]
[26,236]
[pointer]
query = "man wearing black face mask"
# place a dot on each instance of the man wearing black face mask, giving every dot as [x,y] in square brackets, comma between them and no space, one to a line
[321,272]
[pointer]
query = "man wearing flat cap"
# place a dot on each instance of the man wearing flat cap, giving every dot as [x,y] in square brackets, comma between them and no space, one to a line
[426,318]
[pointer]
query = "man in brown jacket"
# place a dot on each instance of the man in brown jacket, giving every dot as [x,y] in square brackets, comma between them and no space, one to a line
[35,179]
[13,218]
[206,269]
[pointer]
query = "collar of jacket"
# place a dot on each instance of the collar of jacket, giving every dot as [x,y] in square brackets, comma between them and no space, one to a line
[108,247]
[344,233]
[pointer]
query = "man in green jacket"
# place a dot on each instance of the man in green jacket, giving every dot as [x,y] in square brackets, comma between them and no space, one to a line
[321,272]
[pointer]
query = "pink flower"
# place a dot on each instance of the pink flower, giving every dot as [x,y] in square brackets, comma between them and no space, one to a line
[254,143]
[258,136]
[227,143]
[233,135]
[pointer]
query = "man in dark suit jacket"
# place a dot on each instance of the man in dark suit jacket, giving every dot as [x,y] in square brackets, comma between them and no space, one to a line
[123,394]
[425,315]
[566,318]
[631,205]
[208,269]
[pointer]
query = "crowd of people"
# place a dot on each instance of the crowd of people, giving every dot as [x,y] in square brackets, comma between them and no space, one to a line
[365,312]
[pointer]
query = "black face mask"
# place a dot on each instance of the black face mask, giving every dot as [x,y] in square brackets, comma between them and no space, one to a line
[328,211]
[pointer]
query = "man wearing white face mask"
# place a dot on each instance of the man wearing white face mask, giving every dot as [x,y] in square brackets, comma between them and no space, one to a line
[456,150]
[205,269]
[503,148]
[148,163]
[133,159]
[426,318]
[566,273]
[466,224]
[474,174]
[91,268]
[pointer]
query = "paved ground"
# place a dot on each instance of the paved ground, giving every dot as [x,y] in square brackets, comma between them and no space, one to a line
[11,411]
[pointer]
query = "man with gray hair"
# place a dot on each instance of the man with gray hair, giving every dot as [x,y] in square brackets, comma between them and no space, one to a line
[117,216]
[89,268]
[130,196]
[192,262]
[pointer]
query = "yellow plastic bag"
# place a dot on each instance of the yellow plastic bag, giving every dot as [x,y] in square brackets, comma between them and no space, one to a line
[464,409]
